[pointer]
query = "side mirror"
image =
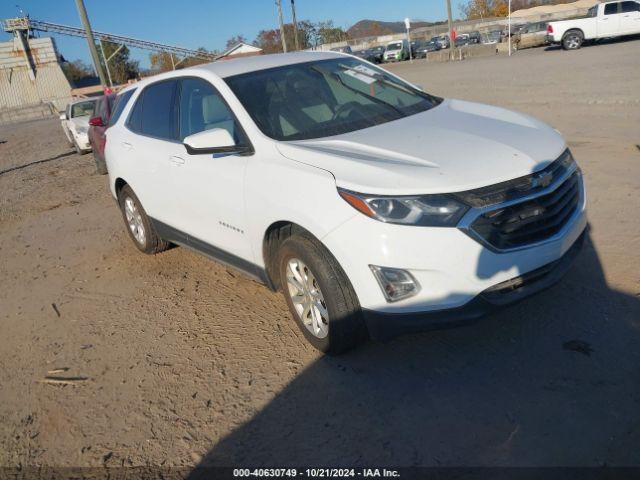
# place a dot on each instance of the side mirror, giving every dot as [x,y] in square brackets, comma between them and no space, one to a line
[96,122]
[63,116]
[216,140]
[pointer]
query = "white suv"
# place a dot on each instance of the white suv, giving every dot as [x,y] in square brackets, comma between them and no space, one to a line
[375,207]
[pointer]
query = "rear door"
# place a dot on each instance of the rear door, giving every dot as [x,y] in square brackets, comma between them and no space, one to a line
[630,17]
[609,21]
[152,142]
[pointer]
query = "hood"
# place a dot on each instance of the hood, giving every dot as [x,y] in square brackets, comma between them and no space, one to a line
[453,147]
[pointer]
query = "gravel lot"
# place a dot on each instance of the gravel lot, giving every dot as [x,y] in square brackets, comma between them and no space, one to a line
[185,361]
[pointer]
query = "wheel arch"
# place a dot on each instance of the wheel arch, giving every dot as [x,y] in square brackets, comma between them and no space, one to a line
[118,185]
[276,233]
[572,30]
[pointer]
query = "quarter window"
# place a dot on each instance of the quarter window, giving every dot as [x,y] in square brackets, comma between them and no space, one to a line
[202,108]
[120,102]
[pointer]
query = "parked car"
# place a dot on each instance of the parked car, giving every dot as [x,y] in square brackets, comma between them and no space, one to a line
[474,37]
[303,171]
[494,36]
[345,49]
[442,41]
[396,51]
[376,54]
[462,39]
[531,35]
[97,128]
[604,20]
[75,123]
[423,47]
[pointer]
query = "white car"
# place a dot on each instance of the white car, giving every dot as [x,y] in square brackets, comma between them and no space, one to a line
[376,208]
[75,123]
[604,20]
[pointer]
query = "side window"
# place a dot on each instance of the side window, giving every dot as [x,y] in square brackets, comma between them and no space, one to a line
[630,7]
[120,102]
[202,108]
[158,110]
[611,8]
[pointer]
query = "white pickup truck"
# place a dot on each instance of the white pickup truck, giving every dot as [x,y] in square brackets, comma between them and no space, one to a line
[604,20]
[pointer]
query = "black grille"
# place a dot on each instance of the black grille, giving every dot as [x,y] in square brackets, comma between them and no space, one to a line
[532,220]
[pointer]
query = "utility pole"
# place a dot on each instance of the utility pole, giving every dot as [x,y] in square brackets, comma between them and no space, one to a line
[284,41]
[451,42]
[295,24]
[509,28]
[92,44]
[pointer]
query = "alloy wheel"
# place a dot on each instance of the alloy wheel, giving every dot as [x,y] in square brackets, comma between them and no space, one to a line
[134,220]
[307,298]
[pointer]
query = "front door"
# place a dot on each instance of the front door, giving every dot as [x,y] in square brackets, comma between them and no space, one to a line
[210,187]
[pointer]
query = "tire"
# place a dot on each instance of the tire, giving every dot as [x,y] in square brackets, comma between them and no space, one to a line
[101,165]
[147,240]
[342,316]
[572,40]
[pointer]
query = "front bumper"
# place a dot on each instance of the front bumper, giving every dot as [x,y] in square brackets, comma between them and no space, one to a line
[384,326]
[452,266]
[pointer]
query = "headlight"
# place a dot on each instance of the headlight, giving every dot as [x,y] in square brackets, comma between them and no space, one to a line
[81,130]
[419,210]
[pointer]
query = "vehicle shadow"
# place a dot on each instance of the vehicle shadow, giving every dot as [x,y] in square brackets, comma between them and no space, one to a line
[550,381]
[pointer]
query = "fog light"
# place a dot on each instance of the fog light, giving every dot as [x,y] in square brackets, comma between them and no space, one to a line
[395,283]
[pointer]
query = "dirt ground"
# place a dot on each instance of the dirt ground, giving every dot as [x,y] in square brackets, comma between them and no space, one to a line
[184,362]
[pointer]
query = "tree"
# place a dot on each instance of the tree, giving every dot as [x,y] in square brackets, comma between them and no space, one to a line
[236,39]
[162,61]
[269,41]
[328,33]
[76,71]
[121,67]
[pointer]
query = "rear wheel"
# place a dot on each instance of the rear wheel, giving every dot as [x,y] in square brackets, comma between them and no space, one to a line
[319,295]
[572,40]
[139,226]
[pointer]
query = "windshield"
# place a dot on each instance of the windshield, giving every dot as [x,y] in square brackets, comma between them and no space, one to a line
[394,46]
[593,11]
[324,98]
[82,109]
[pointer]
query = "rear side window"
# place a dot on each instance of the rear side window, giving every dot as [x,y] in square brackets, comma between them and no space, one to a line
[630,7]
[120,102]
[158,110]
[611,8]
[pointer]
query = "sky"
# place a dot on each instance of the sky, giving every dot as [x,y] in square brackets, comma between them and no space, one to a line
[207,23]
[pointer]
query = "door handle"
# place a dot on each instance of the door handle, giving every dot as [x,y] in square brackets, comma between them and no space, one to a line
[127,145]
[175,160]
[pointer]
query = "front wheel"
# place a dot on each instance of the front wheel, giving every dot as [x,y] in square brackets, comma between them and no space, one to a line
[572,40]
[319,295]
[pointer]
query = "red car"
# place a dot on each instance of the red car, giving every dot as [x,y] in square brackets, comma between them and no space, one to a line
[98,124]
